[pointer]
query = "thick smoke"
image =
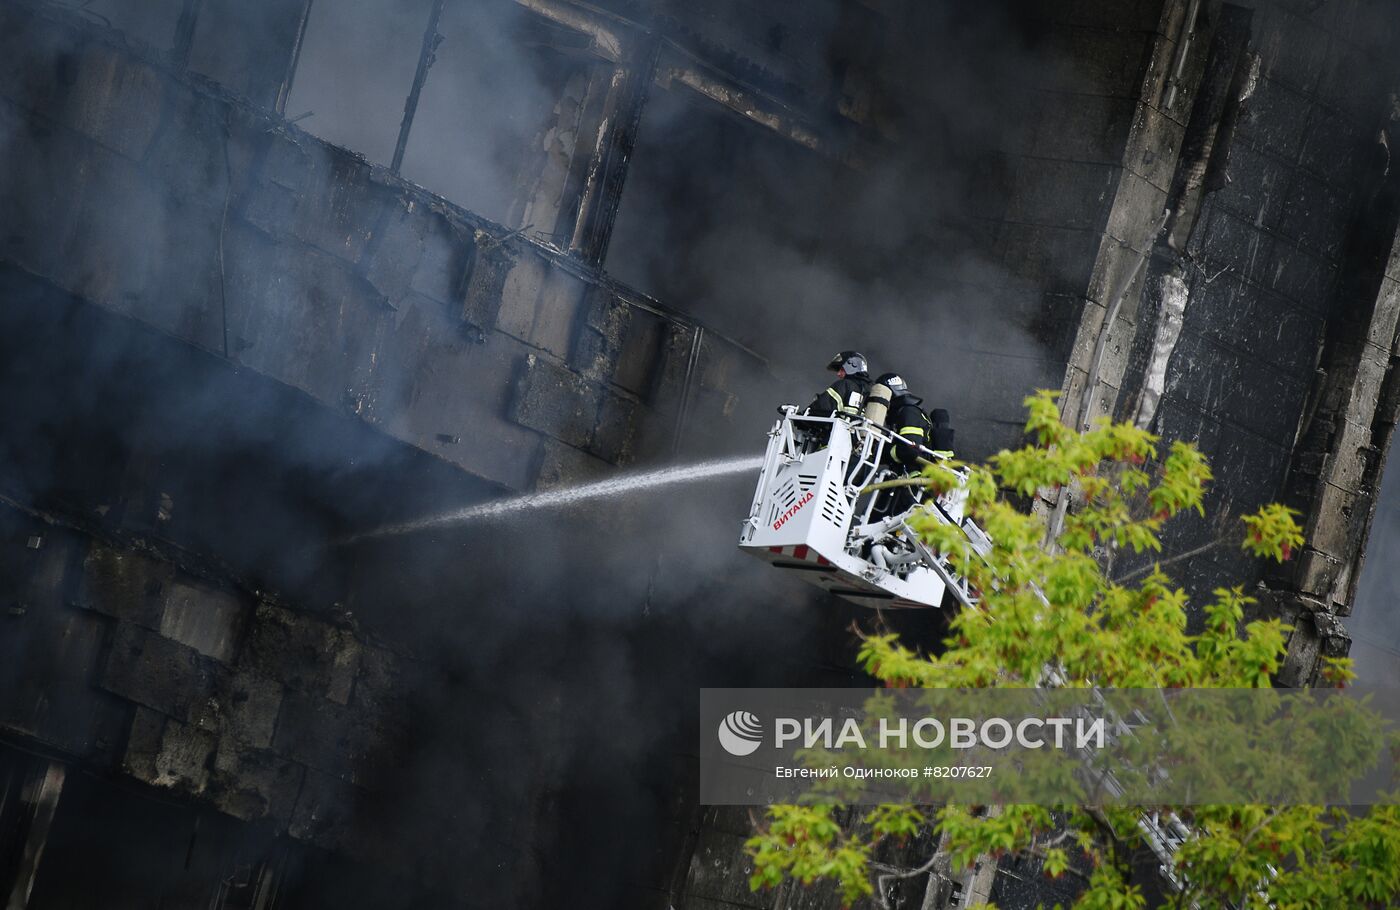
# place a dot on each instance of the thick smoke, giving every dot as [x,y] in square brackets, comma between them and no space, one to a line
[800,255]
[601,622]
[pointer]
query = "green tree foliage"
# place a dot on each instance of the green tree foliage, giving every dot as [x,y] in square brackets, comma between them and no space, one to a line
[1053,613]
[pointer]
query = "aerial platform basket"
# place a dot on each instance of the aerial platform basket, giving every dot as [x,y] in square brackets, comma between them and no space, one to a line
[809,516]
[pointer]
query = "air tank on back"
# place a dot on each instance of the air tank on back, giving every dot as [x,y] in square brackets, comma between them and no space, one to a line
[877,403]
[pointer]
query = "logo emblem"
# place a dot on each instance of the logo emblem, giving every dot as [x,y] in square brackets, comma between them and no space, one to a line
[782,519]
[741,733]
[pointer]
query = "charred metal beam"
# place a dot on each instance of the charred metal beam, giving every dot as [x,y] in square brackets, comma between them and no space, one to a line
[431,39]
[285,88]
[184,33]
[697,340]
[607,34]
[695,75]
[590,191]
[612,152]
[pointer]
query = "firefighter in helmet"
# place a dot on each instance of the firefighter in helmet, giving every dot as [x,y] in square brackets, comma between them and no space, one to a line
[845,396]
[910,426]
[906,419]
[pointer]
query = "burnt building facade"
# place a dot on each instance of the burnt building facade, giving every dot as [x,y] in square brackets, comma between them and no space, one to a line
[278,274]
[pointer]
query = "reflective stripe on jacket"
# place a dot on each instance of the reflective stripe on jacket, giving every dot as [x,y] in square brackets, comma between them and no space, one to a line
[845,396]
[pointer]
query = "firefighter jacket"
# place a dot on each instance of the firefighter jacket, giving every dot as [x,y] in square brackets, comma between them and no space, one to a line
[908,421]
[845,396]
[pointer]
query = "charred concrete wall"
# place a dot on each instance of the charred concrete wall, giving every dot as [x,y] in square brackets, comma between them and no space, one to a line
[1285,336]
[96,629]
[214,222]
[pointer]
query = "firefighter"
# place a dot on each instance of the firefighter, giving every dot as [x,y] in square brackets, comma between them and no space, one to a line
[845,396]
[906,419]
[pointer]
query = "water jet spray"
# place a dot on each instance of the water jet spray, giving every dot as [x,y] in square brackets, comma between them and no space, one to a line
[563,498]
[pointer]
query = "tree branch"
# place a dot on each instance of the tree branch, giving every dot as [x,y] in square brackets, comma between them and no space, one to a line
[883,880]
